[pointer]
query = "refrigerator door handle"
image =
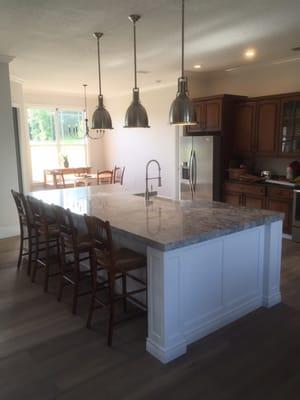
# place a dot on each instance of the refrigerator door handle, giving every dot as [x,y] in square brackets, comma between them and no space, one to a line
[194,171]
[191,174]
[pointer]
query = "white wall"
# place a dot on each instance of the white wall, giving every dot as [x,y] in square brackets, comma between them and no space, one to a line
[8,159]
[135,147]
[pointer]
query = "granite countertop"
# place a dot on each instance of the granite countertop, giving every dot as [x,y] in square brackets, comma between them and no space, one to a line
[165,224]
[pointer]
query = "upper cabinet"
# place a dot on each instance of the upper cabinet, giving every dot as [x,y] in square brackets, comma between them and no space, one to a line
[267,123]
[243,128]
[208,115]
[289,137]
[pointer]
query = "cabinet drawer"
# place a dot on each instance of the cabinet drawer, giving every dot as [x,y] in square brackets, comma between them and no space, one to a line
[257,190]
[280,192]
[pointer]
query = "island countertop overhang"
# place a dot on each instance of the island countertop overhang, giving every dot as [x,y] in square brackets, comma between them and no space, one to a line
[164,224]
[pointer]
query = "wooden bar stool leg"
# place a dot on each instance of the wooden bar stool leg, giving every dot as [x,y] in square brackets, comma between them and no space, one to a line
[37,245]
[46,279]
[124,291]
[62,271]
[76,284]
[94,289]
[29,256]
[111,307]
[21,249]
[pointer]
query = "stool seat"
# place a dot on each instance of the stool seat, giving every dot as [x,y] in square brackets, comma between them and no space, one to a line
[124,260]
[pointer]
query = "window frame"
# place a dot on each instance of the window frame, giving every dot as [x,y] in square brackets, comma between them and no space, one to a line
[58,143]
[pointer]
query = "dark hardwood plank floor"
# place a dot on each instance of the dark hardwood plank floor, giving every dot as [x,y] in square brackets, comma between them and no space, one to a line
[47,353]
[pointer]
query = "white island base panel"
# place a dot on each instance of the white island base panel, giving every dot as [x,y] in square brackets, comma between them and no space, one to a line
[197,289]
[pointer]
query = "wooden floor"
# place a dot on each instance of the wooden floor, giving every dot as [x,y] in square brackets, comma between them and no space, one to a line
[46,353]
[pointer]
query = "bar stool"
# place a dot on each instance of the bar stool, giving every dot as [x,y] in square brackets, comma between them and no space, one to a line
[117,264]
[27,231]
[75,248]
[46,234]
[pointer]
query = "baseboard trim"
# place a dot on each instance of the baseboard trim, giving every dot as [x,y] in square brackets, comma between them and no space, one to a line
[9,231]
[165,355]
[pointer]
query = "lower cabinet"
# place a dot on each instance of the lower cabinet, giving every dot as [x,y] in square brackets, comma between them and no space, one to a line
[261,197]
[285,207]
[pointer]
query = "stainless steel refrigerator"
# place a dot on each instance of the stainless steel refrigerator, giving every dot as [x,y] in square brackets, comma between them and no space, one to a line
[200,167]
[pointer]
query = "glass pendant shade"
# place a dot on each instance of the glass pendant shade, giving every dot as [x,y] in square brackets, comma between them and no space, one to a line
[101,118]
[182,111]
[136,115]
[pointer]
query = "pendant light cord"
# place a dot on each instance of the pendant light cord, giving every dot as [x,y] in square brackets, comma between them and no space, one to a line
[85,103]
[99,71]
[182,39]
[134,54]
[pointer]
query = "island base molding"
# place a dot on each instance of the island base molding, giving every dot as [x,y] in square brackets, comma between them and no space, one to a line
[197,289]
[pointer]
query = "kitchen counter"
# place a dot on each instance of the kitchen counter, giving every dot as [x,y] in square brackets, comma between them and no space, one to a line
[208,264]
[165,224]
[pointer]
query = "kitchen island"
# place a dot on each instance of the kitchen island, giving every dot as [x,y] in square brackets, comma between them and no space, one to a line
[208,263]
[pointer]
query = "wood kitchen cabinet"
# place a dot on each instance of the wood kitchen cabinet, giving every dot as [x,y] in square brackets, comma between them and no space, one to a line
[261,197]
[243,128]
[208,115]
[267,127]
[289,135]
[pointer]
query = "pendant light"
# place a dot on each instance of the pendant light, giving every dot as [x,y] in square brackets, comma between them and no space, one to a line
[92,134]
[136,115]
[182,109]
[101,119]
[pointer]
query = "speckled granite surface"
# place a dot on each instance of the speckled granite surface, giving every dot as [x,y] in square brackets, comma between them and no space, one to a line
[164,224]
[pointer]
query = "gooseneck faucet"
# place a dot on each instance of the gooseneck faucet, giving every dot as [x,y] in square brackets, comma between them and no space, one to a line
[147,194]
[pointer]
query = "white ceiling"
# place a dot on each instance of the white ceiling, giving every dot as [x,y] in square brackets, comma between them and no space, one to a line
[54,48]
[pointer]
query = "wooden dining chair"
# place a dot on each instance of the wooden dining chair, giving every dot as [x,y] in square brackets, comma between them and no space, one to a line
[119,175]
[104,177]
[59,179]
[75,249]
[27,231]
[118,264]
[47,246]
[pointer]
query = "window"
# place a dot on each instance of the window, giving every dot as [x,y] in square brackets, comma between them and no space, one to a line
[54,134]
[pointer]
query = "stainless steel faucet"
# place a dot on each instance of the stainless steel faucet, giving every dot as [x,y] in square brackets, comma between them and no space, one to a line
[147,194]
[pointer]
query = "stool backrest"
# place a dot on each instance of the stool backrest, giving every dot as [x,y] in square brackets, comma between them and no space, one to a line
[39,214]
[25,217]
[65,224]
[101,237]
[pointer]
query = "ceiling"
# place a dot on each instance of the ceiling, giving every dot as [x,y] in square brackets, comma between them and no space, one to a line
[55,51]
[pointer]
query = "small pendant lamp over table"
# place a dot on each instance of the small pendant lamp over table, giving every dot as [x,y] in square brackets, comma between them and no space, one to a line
[136,115]
[182,110]
[101,119]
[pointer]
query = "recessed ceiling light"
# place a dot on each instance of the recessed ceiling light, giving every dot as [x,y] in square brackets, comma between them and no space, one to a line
[197,66]
[296,48]
[250,53]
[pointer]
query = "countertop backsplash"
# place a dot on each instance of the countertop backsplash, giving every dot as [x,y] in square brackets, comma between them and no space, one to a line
[277,166]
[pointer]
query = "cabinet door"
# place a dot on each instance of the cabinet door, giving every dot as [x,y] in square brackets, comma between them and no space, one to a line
[289,138]
[234,199]
[267,127]
[243,132]
[213,115]
[251,201]
[282,206]
[200,110]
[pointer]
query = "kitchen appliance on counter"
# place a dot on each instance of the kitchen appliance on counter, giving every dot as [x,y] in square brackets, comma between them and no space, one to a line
[200,167]
[296,217]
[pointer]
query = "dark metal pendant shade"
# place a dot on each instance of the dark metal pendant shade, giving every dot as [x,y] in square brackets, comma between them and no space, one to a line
[101,118]
[136,115]
[182,111]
